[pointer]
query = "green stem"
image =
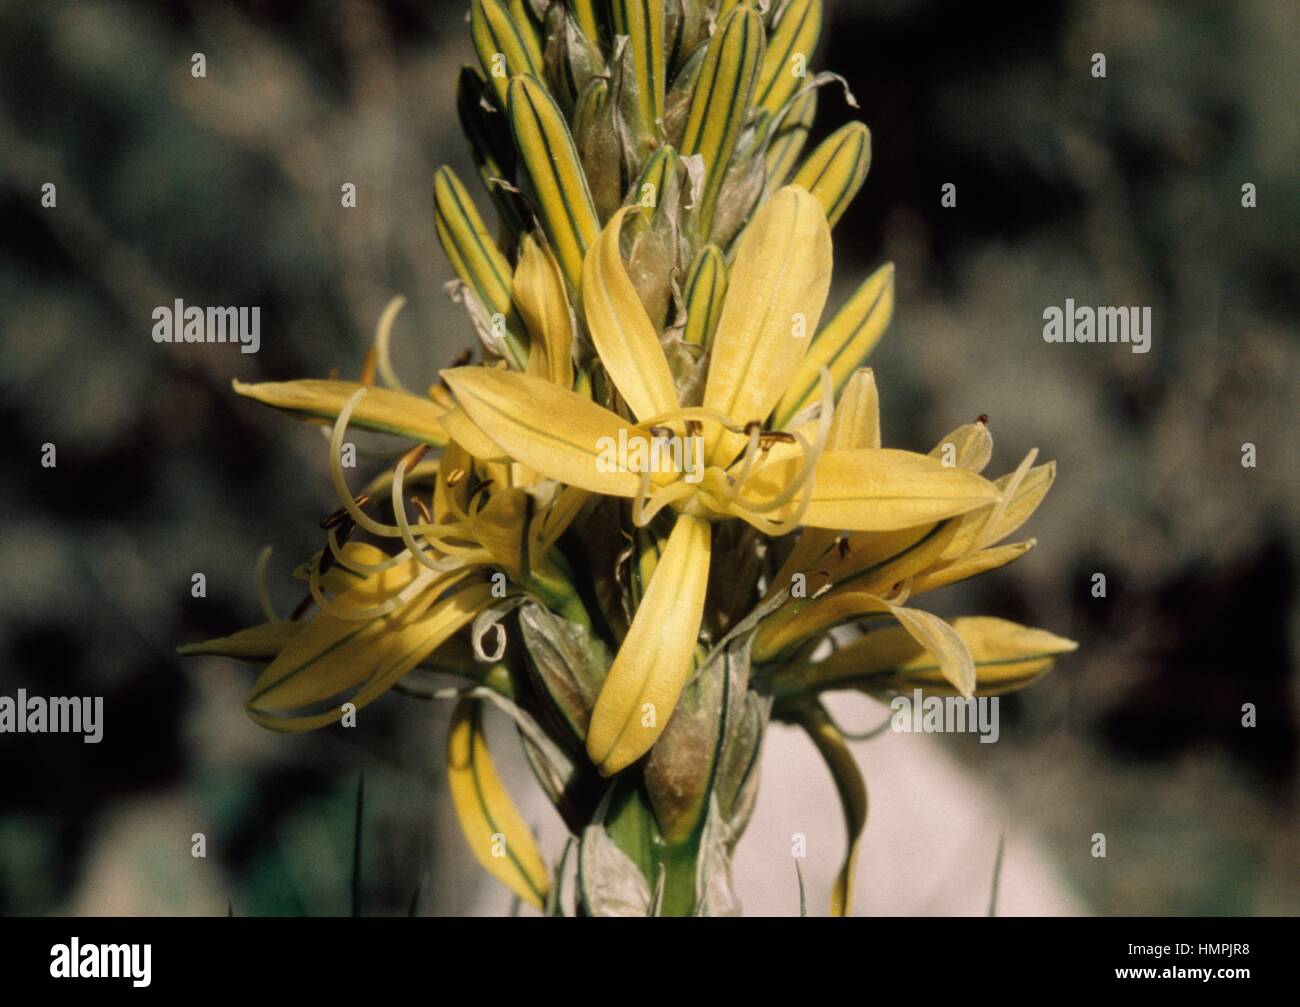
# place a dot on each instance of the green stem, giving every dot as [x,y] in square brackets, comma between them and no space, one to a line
[679,865]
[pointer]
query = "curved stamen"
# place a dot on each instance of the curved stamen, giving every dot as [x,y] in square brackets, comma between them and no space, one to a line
[340,483]
[644,510]
[332,607]
[350,504]
[755,432]
[399,511]
[358,566]
[803,481]
[693,413]
[383,333]
[810,454]
[263,592]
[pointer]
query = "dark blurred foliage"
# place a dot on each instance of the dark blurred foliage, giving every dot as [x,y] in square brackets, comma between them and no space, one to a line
[225,190]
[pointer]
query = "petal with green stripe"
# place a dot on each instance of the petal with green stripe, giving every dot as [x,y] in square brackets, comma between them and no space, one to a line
[550,161]
[496,832]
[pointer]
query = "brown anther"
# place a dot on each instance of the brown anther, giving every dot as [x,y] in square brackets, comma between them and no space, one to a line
[479,489]
[334,373]
[753,427]
[843,543]
[409,460]
[423,509]
[345,530]
[661,432]
[341,514]
[770,437]
[368,367]
[463,357]
[694,428]
[455,478]
[982,418]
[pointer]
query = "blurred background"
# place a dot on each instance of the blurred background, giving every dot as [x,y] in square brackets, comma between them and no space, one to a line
[226,190]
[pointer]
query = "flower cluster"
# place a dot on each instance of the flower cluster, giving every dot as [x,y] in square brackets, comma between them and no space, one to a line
[660,501]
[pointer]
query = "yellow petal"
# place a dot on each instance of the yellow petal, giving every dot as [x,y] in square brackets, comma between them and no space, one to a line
[656,657]
[835,171]
[879,490]
[559,186]
[970,566]
[548,428]
[969,447]
[1007,656]
[499,528]
[257,643]
[622,332]
[842,344]
[380,409]
[853,797]
[495,830]
[336,661]
[465,432]
[775,294]
[949,650]
[1023,490]
[540,296]
[789,51]
[856,424]
[870,570]
[1024,500]
[857,414]
[451,490]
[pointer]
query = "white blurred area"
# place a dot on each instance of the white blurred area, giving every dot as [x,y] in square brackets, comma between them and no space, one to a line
[928,849]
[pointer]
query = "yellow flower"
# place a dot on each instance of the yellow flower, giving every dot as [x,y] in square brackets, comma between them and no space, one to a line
[773,480]
[381,614]
[865,574]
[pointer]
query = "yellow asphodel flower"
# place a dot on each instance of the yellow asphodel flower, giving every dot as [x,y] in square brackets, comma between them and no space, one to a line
[775,480]
[381,614]
[866,574]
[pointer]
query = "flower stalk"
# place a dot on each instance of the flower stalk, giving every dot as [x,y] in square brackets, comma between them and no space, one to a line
[657,276]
